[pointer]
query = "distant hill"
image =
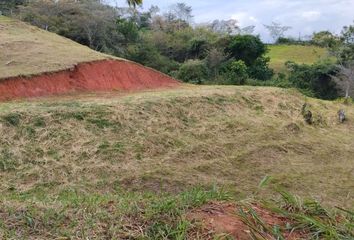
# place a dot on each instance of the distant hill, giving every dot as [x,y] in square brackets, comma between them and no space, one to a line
[280,54]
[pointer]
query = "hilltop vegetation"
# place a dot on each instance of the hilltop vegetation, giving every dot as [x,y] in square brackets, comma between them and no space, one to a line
[217,53]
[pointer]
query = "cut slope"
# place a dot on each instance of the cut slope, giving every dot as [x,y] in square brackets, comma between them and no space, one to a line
[94,76]
[34,63]
[280,54]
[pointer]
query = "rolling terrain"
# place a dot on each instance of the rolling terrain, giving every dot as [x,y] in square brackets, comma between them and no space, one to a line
[67,162]
[170,161]
[280,54]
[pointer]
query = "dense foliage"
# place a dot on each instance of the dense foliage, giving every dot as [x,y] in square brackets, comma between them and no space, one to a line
[315,80]
[216,53]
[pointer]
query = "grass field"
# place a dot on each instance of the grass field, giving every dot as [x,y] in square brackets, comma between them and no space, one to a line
[280,54]
[122,166]
[27,50]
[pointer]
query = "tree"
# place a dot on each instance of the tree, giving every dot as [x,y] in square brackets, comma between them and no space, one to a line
[193,71]
[314,80]
[251,50]
[229,27]
[88,22]
[246,48]
[182,12]
[348,34]
[276,30]
[214,60]
[7,7]
[247,30]
[344,53]
[324,39]
[179,15]
[134,3]
[345,67]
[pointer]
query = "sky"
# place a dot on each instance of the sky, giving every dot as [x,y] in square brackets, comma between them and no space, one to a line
[304,16]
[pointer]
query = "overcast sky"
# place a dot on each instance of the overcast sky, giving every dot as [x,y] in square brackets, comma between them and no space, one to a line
[305,16]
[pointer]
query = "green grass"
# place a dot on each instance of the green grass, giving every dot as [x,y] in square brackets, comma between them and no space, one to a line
[97,165]
[280,54]
[27,50]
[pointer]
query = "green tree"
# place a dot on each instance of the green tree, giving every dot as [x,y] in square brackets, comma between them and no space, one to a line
[324,39]
[134,3]
[193,71]
[246,48]
[314,80]
[7,7]
[251,50]
[235,72]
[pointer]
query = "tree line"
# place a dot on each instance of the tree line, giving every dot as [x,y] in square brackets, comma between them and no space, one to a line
[219,52]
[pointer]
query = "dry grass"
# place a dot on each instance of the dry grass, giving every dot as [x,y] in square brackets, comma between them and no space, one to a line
[27,50]
[72,154]
[280,54]
[174,139]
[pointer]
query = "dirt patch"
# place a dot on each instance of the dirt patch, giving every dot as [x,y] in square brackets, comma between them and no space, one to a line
[104,75]
[223,219]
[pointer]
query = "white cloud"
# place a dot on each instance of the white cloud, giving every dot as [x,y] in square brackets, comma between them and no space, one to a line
[311,15]
[244,19]
[304,16]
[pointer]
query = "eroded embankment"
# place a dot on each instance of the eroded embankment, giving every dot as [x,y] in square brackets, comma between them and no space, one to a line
[93,76]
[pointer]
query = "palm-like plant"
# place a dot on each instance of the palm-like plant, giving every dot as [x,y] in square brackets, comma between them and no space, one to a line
[134,3]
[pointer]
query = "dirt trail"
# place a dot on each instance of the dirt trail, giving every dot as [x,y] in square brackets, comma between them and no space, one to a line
[103,75]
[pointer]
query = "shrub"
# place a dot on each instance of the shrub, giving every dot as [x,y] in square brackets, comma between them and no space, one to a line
[193,71]
[234,72]
[260,69]
[314,80]
[12,119]
[247,48]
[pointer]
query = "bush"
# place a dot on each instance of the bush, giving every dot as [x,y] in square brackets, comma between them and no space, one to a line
[250,50]
[260,69]
[314,80]
[193,71]
[247,48]
[234,72]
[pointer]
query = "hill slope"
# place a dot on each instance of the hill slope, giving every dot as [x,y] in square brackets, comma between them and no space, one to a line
[84,166]
[28,50]
[178,138]
[34,63]
[280,54]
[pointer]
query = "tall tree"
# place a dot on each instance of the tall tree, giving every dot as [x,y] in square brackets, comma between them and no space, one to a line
[277,30]
[344,52]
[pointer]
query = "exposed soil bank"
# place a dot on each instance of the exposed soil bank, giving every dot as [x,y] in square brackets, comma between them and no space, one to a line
[94,76]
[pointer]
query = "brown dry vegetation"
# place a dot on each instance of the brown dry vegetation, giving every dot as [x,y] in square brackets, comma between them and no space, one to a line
[70,155]
[27,50]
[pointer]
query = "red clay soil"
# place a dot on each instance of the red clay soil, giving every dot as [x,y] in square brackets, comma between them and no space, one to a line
[221,219]
[106,75]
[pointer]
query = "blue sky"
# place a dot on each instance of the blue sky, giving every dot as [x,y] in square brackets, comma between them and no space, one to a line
[305,16]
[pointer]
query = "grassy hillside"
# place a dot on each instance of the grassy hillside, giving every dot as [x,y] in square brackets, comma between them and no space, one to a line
[279,54]
[27,50]
[92,166]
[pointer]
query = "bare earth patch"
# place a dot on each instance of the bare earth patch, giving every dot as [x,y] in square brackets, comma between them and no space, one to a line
[223,219]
